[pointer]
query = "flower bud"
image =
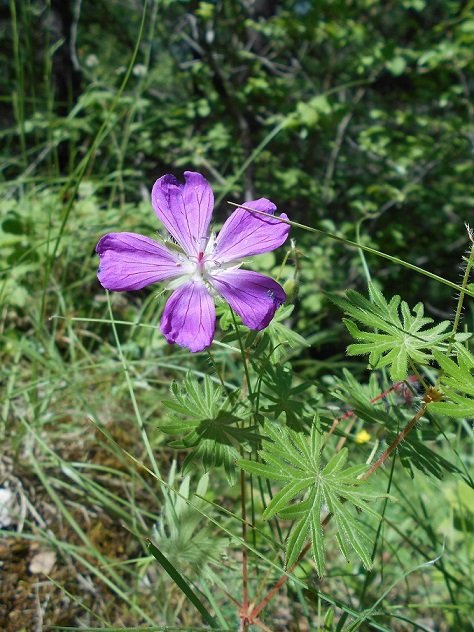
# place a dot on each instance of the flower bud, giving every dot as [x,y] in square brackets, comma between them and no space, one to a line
[291,287]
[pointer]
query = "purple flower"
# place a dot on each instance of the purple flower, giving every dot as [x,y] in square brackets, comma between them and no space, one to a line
[199,266]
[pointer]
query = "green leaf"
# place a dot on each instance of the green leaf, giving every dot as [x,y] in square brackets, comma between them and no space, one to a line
[401,335]
[422,452]
[336,463]
[457,383]
[281,499]
[181,583]
[317,543]
[207,424]
[349,528]
[294,459]
[297,538]
[194,400]
[397,65]
[282,398]
[264,470]
[357,397]
[183,535]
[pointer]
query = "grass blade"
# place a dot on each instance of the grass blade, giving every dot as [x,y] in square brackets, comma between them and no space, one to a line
[181,583]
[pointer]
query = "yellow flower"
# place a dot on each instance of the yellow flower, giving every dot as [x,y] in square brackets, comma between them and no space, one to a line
[362,437]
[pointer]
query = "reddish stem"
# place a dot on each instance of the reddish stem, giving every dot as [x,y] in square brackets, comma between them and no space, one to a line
[244,618]
[410,425]
[393,446]
[396,387]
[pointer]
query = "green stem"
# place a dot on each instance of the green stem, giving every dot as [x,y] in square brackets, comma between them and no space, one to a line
[406,430]
[244,357]
[243,498]
[216,369]
[243,495]
[418,375]
[372,251]
[19,96]
[467,272]
[245,594]
[361,252]
[462,293]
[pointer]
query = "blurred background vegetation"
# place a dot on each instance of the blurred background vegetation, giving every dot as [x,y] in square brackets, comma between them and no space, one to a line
[353,116]
[351,113]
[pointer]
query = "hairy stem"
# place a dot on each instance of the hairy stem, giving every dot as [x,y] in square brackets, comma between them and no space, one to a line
[242,353]
[245,596]
[467,272]
[353,244]
[244,618]
[393,446]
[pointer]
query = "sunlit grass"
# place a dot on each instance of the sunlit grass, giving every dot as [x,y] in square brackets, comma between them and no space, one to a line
[84,376]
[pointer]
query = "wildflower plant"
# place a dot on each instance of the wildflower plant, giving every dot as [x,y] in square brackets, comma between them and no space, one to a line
[198,265]
[309,465]
[255,418]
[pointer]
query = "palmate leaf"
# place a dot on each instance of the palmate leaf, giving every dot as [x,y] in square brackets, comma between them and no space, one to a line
[457,383]
[283,339]
[281,397]
[400,335]
[294,459]
[195,400]
[207,424]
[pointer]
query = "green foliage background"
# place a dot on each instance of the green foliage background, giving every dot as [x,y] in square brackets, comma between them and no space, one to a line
[355,117]
[345,113]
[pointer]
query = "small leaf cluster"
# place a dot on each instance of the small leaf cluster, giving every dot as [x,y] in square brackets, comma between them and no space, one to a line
[295,460]
[281,398]
[207,423]
[400,336]
[391,411]
[419,450]
[365,400]
[457,382]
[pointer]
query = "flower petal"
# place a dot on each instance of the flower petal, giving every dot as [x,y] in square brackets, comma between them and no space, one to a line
[189,317]
[129,262]
[184,209]
[254,297]
[245,233]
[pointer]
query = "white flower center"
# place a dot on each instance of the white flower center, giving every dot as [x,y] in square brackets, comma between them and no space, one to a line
[202,267]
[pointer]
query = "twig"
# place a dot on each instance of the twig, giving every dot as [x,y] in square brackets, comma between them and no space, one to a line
[467,272]
[341,130]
